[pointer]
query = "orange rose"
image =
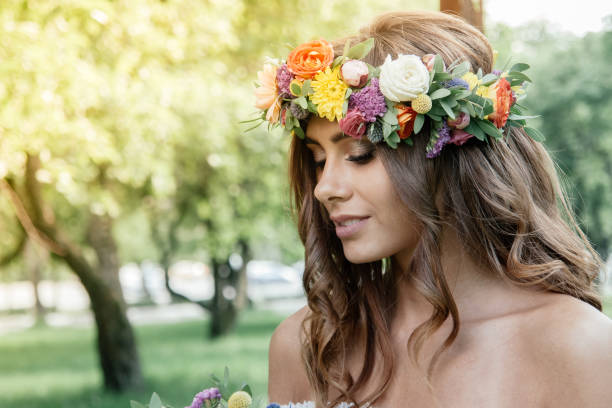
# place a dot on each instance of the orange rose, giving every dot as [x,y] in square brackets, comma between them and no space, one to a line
[405,118]
[501,95]
[308,59]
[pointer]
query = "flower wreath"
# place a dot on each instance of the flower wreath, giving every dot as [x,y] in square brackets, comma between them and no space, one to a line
[391,102]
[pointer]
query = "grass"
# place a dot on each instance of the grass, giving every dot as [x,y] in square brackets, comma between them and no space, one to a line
[58,368]
[55,367]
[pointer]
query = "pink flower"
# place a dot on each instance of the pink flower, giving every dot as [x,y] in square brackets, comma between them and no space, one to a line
[354,73]
[353,124]
[428,60]
[459,137]
[460,122]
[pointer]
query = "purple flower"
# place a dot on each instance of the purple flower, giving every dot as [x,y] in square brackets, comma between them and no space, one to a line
[283,79]
[273,405]
[496,72]
[456,82]
[443,139]
[369,101]
[205,395]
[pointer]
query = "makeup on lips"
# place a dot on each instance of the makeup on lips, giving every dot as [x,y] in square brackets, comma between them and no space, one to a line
[348,225]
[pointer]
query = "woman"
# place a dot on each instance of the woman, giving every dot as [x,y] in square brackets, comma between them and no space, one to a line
[455,278]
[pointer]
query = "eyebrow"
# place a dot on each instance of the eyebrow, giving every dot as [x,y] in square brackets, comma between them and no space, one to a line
[335,139]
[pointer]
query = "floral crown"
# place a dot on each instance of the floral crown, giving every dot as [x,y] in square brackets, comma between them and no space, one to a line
[391,102]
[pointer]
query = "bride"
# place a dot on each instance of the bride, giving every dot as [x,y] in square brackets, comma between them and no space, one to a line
[446,271]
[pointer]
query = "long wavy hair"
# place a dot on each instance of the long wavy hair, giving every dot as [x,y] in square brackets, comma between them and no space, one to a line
[503,198]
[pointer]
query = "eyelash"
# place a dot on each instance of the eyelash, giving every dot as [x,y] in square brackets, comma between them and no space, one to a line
[361,159]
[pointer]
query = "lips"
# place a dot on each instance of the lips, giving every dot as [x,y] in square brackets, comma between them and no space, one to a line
[349,225]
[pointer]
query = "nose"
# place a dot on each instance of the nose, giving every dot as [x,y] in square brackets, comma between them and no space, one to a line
[333,184]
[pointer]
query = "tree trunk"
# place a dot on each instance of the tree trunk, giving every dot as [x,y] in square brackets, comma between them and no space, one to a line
[117,347]
[34,260]
[230,293]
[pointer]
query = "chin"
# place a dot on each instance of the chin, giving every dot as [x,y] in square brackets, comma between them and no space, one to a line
[358,254]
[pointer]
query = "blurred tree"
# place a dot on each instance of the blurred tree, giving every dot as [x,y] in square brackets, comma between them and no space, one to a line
[571,88]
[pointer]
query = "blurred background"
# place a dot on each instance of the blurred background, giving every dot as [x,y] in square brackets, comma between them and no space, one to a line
[146,238]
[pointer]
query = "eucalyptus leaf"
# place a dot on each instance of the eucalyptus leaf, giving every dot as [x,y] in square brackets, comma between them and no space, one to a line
[519,67]
[409,141]
[479,73]
[488,107]
[302,102]
[418,123]
[440,93]
[438,64]
[488,79]
[447,109]
[461,69]
[535,134]
[359,51]
[136,404]
[312,107]
[489,129]
[390,116]
[518,75]
[442,76]
[473,129]
[306,88]
[521,117]
[434,117]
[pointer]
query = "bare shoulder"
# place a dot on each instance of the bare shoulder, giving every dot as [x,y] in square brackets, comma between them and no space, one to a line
[287,380]
[572,341]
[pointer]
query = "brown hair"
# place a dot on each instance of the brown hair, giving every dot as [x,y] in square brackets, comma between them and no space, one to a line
[504,198]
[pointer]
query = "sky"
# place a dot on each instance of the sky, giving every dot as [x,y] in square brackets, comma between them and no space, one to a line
[578,17]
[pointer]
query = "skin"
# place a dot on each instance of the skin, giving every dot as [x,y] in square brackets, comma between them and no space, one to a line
[517,347]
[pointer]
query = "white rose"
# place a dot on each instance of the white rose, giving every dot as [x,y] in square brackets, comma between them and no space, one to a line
[403,78]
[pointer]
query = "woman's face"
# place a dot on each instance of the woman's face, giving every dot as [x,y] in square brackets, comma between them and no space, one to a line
[354,187]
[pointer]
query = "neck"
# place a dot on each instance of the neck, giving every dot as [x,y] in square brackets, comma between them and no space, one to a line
[475,289]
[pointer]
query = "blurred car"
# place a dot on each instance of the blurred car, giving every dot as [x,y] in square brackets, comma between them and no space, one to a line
[270,280]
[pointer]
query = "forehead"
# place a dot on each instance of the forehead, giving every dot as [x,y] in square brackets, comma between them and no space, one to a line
[321,130]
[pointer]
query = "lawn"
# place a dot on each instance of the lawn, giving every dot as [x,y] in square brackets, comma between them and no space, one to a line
[57,368]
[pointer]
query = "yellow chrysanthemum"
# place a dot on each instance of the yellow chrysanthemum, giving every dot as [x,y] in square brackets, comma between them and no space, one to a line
[421,104]
[239,399]
[471,78]
[329,92]
[483,91]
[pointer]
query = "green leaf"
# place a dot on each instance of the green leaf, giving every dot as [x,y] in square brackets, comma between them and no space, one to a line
[409,141]
[347,47]
[479,73]
[299,132]
[312,108]
[359,51]
[438,64]
[440,93]
[535,134]
[434,117]
[519,67]
[295,89]
[392,139]
[447,109]
[488,79]
[155,401]
[461,93]
[489,128]
[302,102]
[245,387]
[390,116]
[345,107]
[470,109]
[521,117]
[338,61]
[306,88]
[518,75]
[418,123]
[461,69]
[136,404]
[488,107]
[442,76]
[473,129]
